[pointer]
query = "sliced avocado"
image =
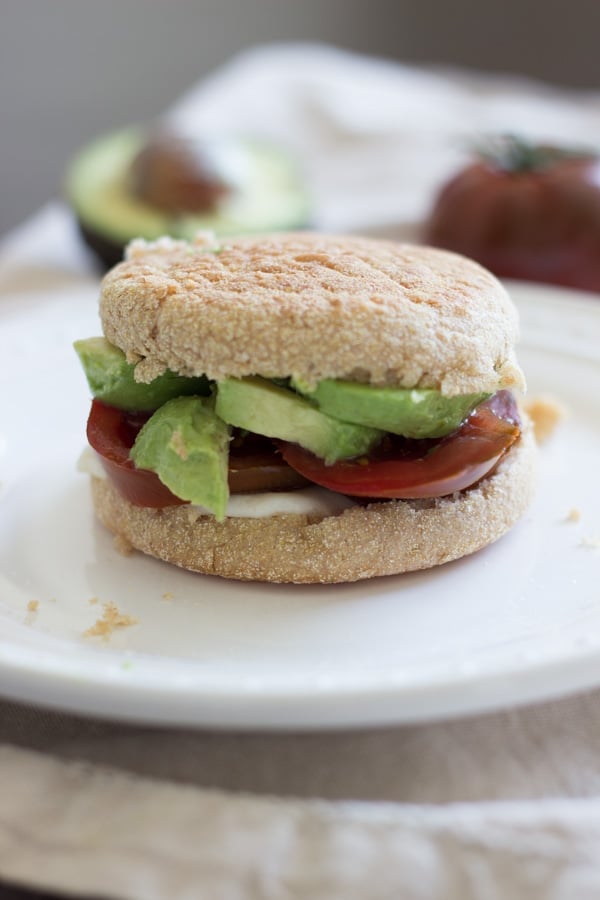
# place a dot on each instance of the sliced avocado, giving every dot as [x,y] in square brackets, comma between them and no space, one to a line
[111,378]
[187,445]
[265,408]
[271,196]
[413,413]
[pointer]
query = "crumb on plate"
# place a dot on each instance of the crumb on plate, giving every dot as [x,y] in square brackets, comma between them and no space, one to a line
[110,620]
[122,545]
[574,515]
[546,413]
[32,611]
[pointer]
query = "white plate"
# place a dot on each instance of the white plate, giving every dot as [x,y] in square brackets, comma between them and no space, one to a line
[520,621]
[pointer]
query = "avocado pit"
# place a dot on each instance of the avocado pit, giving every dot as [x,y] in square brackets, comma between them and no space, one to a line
[178,174]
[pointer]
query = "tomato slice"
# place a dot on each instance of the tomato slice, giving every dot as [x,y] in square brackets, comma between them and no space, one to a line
[403,469]
[111,432]
[397,469]
[254,464]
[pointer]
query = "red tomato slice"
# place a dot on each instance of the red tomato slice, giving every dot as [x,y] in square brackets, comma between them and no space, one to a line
[111,432]
[254,465]
[402,469]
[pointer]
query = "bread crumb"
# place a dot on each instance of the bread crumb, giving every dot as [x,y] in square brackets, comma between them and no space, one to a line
[203,239]
[168,595]
[32,611]
[574,515]
[92,601]
[140,247]
[593,542]
[546,414]
[122,545]
[110,620]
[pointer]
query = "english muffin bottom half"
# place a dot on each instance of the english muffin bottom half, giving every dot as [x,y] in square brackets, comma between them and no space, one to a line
[305,408]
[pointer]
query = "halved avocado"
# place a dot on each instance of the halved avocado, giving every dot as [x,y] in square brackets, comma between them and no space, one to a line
[269,195]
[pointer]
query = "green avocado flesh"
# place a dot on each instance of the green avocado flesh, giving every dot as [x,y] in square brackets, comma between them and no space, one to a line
[187,446]
[412,413]
[260,406]
[186,440]
[111,379]
[272,196]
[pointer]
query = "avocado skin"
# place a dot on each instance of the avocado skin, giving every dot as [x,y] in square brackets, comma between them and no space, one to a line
[413,413]
[187,446]
[262,407]
[106,252]
[111,379]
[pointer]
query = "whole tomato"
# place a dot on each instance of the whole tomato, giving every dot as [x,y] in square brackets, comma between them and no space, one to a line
[526,212]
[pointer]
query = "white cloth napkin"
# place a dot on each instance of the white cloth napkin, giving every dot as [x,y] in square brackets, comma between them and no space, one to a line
[501,806]
[95,831]
[376,138]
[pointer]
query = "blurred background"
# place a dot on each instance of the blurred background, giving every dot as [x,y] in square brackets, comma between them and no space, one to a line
[70,69]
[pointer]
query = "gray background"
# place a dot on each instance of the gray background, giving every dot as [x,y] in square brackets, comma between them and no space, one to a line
[70,69]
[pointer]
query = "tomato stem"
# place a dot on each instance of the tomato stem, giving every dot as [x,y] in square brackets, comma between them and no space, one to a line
[514,154]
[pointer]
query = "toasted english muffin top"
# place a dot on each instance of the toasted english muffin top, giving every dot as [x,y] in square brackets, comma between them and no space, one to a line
[312,306]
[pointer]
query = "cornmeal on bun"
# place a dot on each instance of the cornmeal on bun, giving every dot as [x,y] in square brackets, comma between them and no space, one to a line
[305,407]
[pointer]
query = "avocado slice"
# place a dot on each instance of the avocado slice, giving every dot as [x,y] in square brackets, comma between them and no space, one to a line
[111,378]
[412,413]
[271,197]
[260,406]
[187,445]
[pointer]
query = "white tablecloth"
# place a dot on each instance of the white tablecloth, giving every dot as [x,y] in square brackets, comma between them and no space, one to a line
[504,805]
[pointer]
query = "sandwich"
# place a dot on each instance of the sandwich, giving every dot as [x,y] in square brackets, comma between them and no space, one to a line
[305,408]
